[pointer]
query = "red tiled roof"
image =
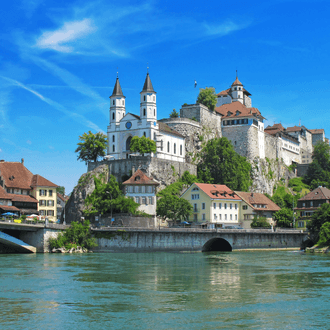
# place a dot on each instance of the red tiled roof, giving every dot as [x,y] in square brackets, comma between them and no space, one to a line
[316,194]
[237,82]
[217,191]
[63,198]
[317,131]
[228,92]
[230,110]
[23,198]
[40,181]
[140,178]
[3,194]
[294,129]
[260,199]
[16,175]
[167,129]
[8,208]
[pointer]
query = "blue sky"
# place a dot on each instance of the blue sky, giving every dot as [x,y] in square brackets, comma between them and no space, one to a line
[59,59]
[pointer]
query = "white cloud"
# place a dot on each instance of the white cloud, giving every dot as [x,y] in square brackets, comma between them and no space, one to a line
[223,28]
[69,32]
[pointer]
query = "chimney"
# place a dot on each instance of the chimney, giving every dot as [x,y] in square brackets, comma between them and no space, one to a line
[22,161]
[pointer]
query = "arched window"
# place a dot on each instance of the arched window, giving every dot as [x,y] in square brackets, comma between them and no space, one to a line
[113,116]
[181,149]
[144,97]
[144,112]
[144,133]
[113,102]
[128,143]
[168,147]
[175,148]
[113,148]
[154,98]
[123,102]
[154,112]
[113,138]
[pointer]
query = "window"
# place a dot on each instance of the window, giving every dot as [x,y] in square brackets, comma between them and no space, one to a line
[113,116]
[203,206]
[50,212]
[230,205]
[50,192]
[214,205]
[168,147]
[219,216]
[161,145]
[303,204]
[151,201]
[123,102]
[137,200]
[144,200]
[231,217]
[113,102]
[225,216]
[50,203]
[195,207]
[215,216]
[143,189]
[42,212]
[113,138]
[42,202]
[149,189]
[225,206]
[180,149]
[244,207]
[220,205]
[154,98]
[144,112]
[235,206]
[154,112]
[175,148]
[155,137]
[42,192]
[144,97]
[203,216]
[311,204]
[235,216]
[136,189]
[113,148]
[144,133]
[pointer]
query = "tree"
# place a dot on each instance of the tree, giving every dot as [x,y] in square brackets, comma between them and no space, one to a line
[260,222]
[284,218]
[207,97]
[142,145]
[222,165]
[108,198]
[174,114]
[61,190]
[320,217]
[91,147]
[173,207]
[324,235]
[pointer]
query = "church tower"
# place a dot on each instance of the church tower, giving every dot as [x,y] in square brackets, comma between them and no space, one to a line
[148,108]
[117,104]
[237,91]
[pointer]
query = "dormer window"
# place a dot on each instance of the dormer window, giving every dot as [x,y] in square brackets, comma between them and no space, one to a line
[137,178]
[238,113]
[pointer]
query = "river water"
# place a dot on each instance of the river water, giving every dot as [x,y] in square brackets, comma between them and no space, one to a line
[233,290]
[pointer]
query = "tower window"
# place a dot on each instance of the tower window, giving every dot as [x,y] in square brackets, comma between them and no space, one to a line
[144,133]
[113,116]
[154,112]
[144,97]
[144,112]
[181,149]
[154,98]
[113,138]
[113,148]
[123,102]
[175,148]
[155,136]
[113,102]
[168,147]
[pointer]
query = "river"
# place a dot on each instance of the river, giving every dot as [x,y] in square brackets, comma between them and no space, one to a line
[233,290]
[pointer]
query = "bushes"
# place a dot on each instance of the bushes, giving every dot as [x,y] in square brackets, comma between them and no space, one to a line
[260,222]
[78,234]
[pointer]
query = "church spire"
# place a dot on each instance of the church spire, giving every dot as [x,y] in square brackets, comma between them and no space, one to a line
[117,89]
[147,87]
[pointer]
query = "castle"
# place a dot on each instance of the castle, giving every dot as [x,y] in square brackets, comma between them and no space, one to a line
[178,140]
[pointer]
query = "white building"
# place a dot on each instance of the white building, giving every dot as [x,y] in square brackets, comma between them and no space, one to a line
[123,126]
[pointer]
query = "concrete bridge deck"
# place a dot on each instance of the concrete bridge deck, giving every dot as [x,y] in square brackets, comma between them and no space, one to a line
[16,244]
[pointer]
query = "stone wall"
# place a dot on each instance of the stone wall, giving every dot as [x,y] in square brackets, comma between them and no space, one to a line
[127,220]
[271,146]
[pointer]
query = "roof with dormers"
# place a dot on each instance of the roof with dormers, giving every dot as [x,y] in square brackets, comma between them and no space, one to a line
[117,89]
[217,191]
[40,181]
[15,175]
[237,109]
[147,87]
[258,199]
[318,193]
[4,194]
[273,130]
[140,178]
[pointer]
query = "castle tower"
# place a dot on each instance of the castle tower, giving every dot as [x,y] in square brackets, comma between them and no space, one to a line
[148,108]
[237,91]
[117,104]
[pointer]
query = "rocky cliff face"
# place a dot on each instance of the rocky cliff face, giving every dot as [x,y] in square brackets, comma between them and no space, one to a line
[266,173]
[75,206]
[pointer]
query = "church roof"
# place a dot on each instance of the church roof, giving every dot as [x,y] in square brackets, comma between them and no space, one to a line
[167,129]
[147,87]
[140,177]
[237,109]
[236,83]
[117,89]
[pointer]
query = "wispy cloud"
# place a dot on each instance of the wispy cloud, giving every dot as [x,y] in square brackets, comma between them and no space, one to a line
[71,31]
[77,117]
[224,28]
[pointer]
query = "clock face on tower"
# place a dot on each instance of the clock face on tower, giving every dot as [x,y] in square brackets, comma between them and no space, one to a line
[128,125]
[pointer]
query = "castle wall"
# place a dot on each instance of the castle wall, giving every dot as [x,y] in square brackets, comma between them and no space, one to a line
[271,146]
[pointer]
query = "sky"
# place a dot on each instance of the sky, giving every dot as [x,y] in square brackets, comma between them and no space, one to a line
[59,62]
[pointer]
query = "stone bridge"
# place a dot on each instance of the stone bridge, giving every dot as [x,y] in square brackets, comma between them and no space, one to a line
[134,240]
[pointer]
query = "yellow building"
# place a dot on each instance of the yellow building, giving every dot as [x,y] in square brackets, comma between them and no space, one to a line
[45,192]
[213,205]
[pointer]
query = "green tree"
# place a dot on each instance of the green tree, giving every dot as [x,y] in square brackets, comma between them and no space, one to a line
[222,165]
[284,218]
[174,208]
[61,190]
[142,145]
[278,200]
[174,114]
[91,147]
[260,222]
[108,198]
[78,234]
[207,97]
[324,236]
[320,217]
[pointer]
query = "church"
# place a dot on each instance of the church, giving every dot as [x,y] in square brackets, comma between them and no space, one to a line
[124,125]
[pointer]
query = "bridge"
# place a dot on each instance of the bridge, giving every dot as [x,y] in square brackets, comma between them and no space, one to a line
[16,244]
[193,239]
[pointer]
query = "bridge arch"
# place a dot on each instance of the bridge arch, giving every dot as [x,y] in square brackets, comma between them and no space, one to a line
[217,244]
